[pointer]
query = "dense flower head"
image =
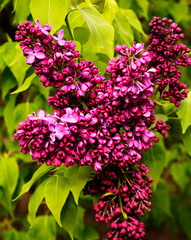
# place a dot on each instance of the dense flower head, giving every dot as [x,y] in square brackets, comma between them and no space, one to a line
[125,194]
[167,56]
[106,124]
[47,54]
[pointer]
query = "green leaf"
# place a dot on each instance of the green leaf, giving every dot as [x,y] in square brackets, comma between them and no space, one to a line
[50,12]
[187,139]
[9,173]
[69,215]
[26,84]
[155,160]
[180,175]
[133,19]
[13,57]
[179,11]
[123,29]
[10,234]
[22,110]
[102,34]
[82,231]
[23,235]
[79,226]
[75,19]
[78,176]
[3,4]
[43,90]
[8,82]
[161,116]
[184,112]
[161,199]
[35,201]
[90,233]
[42,170]
[56,191]
[144,5]
[110,10]
[1,56]
[184,218]
[8,114]
[43,228]
[21,10]
[124,3]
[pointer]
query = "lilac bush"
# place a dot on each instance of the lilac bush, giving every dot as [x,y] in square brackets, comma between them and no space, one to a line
[106,123]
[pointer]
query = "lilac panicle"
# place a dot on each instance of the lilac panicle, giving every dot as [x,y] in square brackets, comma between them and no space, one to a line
[106,124]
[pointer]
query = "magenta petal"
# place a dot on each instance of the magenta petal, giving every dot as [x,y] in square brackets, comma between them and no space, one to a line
[41,113]
[84,87]
[47,27]
[60,135]
[27,50]
[69,110]
[30,59]
[61,42]
[40,55]
[51,128]
[69,119]
[52,136]
[61,34]
[38,23]
[59,127]
[37,47]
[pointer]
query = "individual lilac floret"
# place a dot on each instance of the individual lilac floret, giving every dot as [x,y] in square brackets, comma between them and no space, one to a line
[71,115]
[58,131]
[60,39]
[33,53]
[45,29]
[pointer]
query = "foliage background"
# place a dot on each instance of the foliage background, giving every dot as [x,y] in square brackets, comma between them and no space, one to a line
[95,26]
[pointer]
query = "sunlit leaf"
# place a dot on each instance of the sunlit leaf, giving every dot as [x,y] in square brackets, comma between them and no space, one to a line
[35,201]
[122,28]
[110,10]
[42,170]
[21,10]
[56,191]
[184,112]
[50,12]
[133,19]
[26,84]
[13,57]
[69,215]
[9,173]
[8,114]
[78,176]
[102,34]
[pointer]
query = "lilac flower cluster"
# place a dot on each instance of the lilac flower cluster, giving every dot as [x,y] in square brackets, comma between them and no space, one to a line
[167,56]
[118,122]
[125,195]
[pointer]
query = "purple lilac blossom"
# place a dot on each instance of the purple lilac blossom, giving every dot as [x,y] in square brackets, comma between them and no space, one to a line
[104,123]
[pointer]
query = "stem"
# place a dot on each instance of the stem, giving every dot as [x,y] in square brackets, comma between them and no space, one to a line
[176,118]
[68,25]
